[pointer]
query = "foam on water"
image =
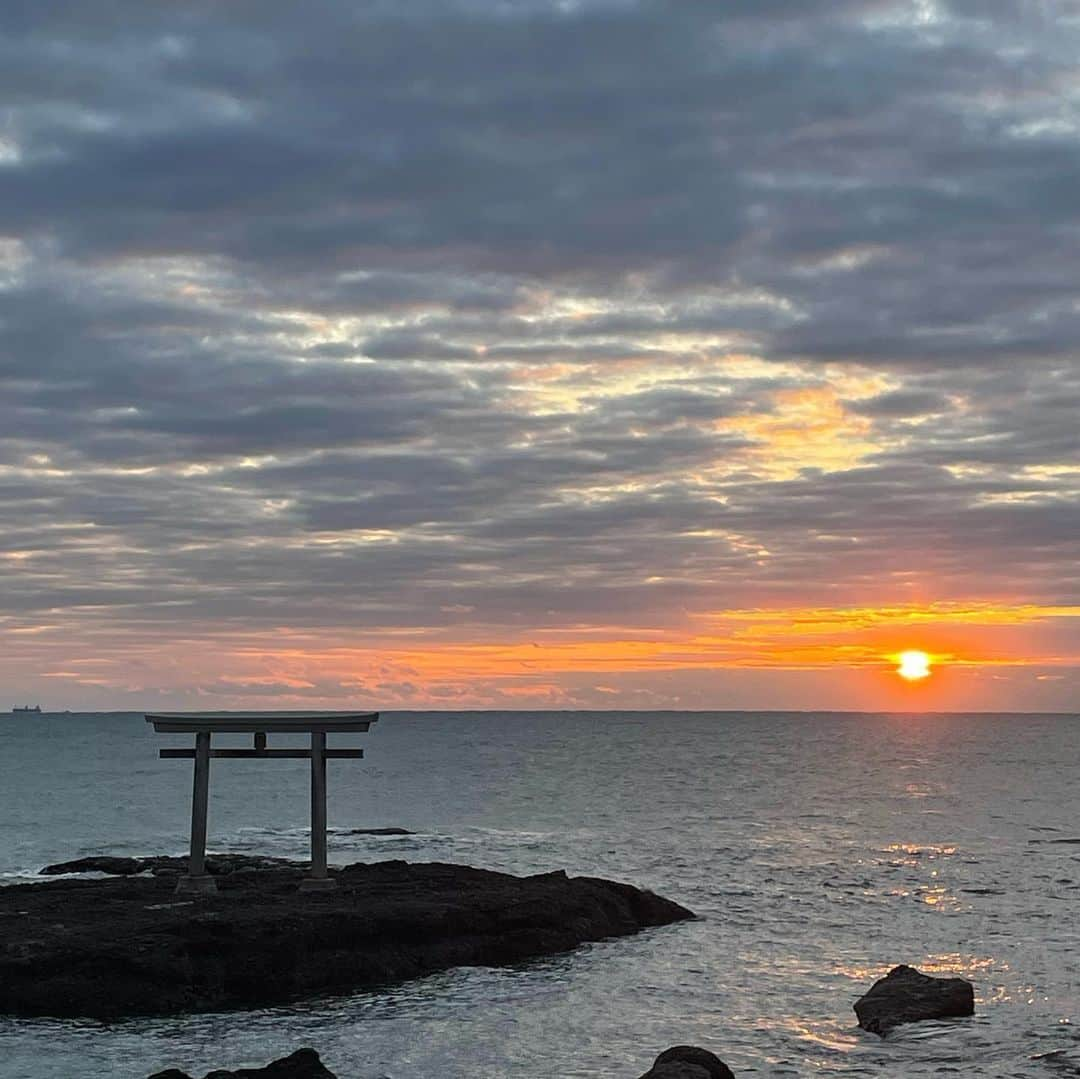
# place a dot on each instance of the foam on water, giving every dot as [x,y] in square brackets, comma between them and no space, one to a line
[819,849]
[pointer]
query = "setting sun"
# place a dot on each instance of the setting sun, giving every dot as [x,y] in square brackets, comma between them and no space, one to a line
[913,665]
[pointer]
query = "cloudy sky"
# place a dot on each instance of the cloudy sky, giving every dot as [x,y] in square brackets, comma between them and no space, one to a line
[526,353]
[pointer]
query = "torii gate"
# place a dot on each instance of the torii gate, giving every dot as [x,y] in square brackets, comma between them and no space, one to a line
[258,724]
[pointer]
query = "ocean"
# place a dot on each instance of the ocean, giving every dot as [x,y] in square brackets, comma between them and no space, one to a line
[820,849]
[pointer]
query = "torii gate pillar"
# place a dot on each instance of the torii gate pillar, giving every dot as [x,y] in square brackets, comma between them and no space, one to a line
[258,724]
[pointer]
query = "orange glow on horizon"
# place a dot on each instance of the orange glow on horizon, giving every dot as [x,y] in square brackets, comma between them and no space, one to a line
[856,652]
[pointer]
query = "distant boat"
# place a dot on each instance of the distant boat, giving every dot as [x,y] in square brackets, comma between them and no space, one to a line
[26,708]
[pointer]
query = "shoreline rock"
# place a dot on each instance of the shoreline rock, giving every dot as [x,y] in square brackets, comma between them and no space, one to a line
[128,945]
[165,865]
[678,1062]
[906,995]
[688,1062]
[303,1064]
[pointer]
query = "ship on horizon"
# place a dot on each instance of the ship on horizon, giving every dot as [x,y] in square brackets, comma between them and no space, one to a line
[21,708]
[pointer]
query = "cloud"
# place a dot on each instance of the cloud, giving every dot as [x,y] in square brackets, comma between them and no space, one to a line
[475,318]
[902,404]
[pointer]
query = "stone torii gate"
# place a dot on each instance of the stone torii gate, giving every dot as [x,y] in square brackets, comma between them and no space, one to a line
[258,724]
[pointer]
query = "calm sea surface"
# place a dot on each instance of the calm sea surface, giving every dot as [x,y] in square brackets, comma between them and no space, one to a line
[820,850]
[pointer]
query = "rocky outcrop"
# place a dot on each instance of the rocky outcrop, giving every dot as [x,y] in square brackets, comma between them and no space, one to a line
[166,865]
[303,1064]
[678,1062]
[131,946]
[688,1062]
[906,995]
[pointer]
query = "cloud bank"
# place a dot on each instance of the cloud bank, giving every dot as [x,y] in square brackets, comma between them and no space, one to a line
[504,324]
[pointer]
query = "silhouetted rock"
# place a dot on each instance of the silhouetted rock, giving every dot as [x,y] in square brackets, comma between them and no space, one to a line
[379,831]
[905,995]
[130,946]
[677,1069]
[303,1064]
[120,867]
[167,865]
[688,1062]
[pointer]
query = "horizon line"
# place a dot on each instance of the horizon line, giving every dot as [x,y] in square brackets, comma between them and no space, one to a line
[581,711]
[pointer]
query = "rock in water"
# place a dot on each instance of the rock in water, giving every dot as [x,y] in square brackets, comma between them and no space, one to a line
[677,1069]
[906,995]
[688,1062]
[129,945]
[166,865]
[303,1064]
[116,867]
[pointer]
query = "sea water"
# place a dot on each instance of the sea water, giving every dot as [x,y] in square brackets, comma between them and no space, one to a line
[818,849]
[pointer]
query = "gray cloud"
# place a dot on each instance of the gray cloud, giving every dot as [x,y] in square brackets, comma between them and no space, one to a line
[902,404]
[432,314]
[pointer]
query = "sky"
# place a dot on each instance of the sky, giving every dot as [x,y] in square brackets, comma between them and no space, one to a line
[529,354]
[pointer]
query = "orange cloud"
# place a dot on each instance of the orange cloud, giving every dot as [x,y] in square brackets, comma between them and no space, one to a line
[423,667]
[810,428]
[799,638]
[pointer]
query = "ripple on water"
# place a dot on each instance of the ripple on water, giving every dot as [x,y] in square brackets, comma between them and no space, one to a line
[820,851]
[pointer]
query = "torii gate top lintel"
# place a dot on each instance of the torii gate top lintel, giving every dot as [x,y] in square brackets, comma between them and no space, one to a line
[258,724]
[252,722]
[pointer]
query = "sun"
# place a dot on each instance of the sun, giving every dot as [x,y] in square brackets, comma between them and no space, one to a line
[913,665]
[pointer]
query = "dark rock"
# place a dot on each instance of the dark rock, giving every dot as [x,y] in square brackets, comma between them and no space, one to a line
[905,995]
[379,831]
[677,1069]
[166,865]
[303,1064]
[130,946]
[688,1062]
[120,867]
